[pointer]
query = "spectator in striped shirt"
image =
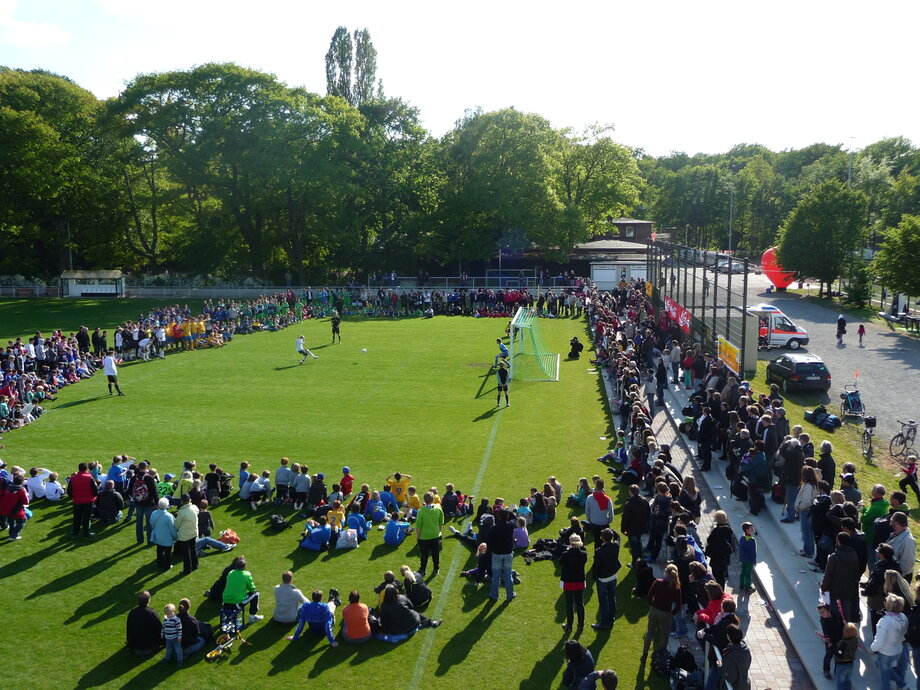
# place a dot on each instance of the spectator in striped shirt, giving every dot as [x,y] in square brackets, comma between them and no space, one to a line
[172,634]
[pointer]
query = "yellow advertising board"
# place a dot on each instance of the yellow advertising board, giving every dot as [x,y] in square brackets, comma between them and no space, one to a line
[648,288]
[729,354]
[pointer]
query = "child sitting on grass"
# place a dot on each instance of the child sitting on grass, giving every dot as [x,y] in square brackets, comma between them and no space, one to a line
[521,537]
[523,511]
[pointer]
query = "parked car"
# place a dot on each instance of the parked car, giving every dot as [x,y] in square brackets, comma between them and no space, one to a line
[726,266]
[799,371]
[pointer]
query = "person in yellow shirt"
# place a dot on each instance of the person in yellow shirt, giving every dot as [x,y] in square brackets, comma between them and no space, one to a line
[413,503]
[399,485]
[186,335]
[335,518]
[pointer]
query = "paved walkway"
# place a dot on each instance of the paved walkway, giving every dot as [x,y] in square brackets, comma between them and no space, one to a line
[776,664]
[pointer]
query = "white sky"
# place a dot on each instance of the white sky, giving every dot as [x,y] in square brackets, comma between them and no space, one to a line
[682,76]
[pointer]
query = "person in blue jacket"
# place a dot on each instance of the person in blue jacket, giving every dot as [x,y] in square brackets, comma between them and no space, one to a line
[396,531]
[388,500]
[357,522]
[318,616]
[316,535]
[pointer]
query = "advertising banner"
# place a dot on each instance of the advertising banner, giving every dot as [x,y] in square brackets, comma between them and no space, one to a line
[677,314]
[730,355]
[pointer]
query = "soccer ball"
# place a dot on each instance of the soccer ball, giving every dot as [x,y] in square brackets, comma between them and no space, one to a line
[363,349]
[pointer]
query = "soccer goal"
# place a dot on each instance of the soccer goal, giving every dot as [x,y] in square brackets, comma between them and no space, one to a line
[530,358]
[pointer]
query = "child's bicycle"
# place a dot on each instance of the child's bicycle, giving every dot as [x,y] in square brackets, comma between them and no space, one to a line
[903,441]
[867,435]
[231,622]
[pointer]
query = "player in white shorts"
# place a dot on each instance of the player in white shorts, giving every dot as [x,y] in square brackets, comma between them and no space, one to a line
[301,350]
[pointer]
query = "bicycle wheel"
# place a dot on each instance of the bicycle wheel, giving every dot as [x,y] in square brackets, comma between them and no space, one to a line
[867,444]
[898,444]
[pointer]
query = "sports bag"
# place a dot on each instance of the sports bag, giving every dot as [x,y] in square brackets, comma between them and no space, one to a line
[684,659]
[228,536]
[661,662]
[278,523]
[348,539]
[778,493]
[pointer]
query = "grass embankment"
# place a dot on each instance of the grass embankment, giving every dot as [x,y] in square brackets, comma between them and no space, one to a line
[847,443]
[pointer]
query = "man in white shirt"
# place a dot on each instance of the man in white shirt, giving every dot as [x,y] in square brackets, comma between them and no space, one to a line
[111,371]
[35,484]
[301,350]
[160,335]
[287,599]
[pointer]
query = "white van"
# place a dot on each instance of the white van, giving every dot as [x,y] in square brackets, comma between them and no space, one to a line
[776,329]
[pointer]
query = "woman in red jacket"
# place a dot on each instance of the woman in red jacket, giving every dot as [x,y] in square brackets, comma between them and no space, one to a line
[13,502]
[82,490]
[716,595]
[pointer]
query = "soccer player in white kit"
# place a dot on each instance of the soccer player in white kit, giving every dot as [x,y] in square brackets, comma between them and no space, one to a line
[111,371]
[301,350]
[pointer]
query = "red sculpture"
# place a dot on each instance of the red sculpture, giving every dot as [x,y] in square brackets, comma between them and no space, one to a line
[781,279]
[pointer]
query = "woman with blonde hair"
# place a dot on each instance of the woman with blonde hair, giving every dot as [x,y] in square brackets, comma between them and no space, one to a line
[572,579]
[888,643]
[808,490]
[690,497]
[896,584]
[665,599]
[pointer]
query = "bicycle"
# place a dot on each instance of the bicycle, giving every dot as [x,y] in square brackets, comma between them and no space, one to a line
[231,622]
[868,435]
[904,440]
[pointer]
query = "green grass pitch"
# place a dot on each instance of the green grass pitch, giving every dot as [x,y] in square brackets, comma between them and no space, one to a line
[421,400]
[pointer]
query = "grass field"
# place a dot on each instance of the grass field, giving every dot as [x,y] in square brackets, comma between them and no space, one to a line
[420,401]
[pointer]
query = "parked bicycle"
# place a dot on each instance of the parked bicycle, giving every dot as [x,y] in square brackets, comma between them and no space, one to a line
[904,439]
[868,435]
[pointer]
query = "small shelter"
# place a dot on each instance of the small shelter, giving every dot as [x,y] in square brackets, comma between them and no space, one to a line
[93,284]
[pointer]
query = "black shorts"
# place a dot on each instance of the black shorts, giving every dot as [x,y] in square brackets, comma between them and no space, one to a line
[503,388]
[335,329]
[112,379]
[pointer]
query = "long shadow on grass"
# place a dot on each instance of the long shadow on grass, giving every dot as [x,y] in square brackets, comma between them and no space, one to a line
[547,667]
[459,646]
[117,665]
[74,403]
[30,561]
[78,576]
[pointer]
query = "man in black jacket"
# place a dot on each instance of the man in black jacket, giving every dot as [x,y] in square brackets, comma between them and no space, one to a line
[634,522]
[857,542]
[501,546]
[842,576]
[791,476]
[144,627]
[705,437]
[109,504]
[605,568]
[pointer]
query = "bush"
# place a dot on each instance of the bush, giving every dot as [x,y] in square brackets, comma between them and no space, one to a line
[860,286]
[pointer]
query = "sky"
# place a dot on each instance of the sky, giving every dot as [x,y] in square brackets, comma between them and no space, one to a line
[669,76]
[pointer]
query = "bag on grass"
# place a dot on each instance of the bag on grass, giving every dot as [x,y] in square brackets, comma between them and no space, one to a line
[661,662]
[228,536]
[278,523]
[348,539]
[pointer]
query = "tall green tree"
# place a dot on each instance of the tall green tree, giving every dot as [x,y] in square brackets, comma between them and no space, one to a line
[896,261]
[351,67]
[824,231]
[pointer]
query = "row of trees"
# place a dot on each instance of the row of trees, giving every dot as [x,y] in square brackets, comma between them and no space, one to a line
[222,169]
[225,170]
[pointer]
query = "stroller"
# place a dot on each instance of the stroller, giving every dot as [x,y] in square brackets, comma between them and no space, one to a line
[851,402]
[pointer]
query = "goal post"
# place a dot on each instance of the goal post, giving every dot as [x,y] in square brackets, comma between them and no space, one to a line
[530,358]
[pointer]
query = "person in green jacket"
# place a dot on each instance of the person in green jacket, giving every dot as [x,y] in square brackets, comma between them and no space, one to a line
[428,525]
[876,509]
[240,590]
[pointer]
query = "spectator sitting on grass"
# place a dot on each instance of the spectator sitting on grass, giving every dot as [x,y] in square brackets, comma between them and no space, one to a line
[109,504]
[356,626]
[318,616]
[316,535]
[397,617]
[288,599]
[144,627]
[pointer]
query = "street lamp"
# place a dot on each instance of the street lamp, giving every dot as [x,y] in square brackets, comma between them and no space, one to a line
[731,204]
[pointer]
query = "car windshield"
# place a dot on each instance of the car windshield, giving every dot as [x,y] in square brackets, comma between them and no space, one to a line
[811,368]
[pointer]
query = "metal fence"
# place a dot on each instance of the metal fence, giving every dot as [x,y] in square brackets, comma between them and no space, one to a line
[705,286]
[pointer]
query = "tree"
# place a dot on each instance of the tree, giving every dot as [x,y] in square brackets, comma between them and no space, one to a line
[351,67]
[896,261]
[822,233]
[597,178]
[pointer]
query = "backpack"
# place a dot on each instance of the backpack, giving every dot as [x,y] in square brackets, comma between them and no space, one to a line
[684,659]
[278,523]
[661,662]
[139,493]
[348,539]
[778,493]
[228,536]
[686,680]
